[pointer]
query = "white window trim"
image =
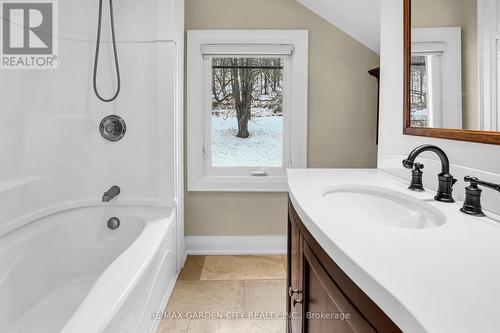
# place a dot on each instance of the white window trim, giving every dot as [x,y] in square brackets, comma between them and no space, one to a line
[488,55]
[449,42]
[296,147]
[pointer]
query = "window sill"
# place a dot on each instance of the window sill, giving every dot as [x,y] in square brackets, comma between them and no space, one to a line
[239,184]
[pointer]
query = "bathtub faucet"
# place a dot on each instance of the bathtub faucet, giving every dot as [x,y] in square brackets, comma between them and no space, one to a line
[111,194]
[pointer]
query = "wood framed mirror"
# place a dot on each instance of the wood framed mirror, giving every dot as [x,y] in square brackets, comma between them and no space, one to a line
[452,69]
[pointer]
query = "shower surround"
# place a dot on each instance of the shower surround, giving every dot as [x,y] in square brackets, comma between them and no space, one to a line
[56,165]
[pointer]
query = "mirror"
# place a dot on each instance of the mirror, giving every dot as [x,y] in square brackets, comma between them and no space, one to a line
[452,85]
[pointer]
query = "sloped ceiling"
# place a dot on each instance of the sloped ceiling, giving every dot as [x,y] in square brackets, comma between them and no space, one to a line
[358,18]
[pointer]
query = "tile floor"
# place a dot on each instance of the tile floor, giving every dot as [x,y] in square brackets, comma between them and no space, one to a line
[238,288]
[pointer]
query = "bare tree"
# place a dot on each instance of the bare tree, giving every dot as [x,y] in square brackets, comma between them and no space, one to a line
[221,80]
[239,82]
[242,83]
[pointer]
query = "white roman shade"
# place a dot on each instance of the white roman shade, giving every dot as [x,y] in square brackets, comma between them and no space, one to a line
[278,50]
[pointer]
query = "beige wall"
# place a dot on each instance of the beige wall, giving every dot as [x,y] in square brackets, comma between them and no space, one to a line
[456,13]
[342,110]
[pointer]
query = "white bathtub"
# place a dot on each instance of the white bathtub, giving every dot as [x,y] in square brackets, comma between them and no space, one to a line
[69,273]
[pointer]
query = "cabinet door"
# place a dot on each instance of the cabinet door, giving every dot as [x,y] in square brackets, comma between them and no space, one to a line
[323,299]
[295,271]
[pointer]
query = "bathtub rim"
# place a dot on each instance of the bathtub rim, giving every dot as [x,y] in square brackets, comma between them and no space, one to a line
[87,317]
[18,222]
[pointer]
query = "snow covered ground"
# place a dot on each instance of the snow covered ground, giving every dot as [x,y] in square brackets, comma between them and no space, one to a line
[263,148]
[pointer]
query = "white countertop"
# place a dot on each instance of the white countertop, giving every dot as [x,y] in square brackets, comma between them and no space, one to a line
[439,280]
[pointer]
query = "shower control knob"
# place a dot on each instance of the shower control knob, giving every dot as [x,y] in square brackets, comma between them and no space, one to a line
[113,128]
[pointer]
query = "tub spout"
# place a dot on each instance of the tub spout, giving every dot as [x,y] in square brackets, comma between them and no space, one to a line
[111,194]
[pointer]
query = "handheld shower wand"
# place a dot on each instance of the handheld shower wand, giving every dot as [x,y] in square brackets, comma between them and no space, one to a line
[115,52]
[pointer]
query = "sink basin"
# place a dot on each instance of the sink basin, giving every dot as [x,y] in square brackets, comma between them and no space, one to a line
[371,204]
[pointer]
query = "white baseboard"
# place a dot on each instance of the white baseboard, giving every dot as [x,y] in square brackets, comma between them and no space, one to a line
[236,245]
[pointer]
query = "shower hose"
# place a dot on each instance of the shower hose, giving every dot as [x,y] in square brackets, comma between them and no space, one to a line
[115,53]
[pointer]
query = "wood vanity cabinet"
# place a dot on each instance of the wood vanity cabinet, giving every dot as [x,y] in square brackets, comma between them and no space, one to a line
[321,297]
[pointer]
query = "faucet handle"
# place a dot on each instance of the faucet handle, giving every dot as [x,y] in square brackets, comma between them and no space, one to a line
[418,166]
[408,164]
[474,182]
[416,178]
[472,205]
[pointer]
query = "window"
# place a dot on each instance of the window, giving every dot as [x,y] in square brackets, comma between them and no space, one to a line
[247,112]
[247,109]
[426,91]
[436,79]
[418,92]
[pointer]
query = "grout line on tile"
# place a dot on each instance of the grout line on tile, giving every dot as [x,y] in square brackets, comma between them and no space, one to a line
[244,296]
[202,267]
